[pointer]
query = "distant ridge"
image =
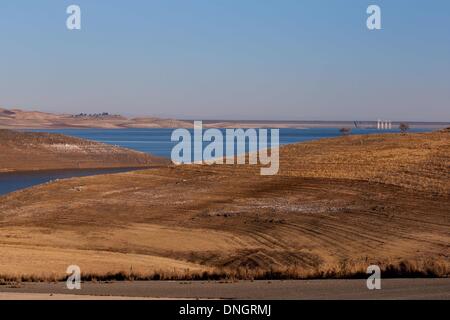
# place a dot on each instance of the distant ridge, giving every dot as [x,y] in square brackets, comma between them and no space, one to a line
[21,119]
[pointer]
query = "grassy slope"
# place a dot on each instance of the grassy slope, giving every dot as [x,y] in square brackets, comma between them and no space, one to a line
[20,151]
[337,206]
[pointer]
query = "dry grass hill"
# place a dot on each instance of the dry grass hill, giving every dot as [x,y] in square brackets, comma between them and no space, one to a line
[20,119]
[22,151]
[336,206]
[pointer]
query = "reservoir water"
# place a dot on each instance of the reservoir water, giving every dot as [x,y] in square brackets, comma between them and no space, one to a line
[155,141]
[158,142]
[13,181]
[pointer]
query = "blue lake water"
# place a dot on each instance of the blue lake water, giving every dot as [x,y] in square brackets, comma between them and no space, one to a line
[158,142]
[13,181]
[155,141]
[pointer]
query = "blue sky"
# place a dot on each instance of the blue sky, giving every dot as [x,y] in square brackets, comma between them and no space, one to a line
[233,59]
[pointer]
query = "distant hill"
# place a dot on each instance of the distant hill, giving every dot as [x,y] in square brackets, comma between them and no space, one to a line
[19,119]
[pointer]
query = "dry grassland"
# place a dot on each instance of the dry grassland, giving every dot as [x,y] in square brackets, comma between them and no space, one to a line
[337,206]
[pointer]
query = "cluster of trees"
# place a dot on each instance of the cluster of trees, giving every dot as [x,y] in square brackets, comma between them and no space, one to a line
[345,131]
[91,115]
[404,127]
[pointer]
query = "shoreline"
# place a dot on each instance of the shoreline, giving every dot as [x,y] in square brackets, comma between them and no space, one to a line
[17,119]
[125,169]
[51,173]
[299,125]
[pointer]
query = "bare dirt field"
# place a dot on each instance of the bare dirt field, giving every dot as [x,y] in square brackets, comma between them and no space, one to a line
[336,206]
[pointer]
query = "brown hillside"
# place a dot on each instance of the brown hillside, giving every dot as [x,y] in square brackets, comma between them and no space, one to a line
[337,206]
[21,119]
[21,151]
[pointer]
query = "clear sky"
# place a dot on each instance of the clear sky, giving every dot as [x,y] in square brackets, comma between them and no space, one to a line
[232,59]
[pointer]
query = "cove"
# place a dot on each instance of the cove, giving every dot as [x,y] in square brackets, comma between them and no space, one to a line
[13,181]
